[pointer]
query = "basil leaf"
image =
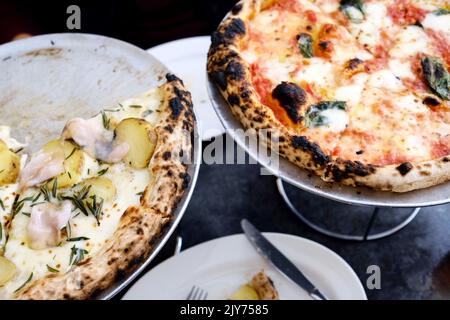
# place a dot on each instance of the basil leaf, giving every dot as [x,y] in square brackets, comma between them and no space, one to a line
[437,76]
[353,9]
[441,11]
[313,117]
[305,45]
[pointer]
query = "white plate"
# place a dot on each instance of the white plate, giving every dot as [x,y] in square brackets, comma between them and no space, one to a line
[187,58]
[222,265]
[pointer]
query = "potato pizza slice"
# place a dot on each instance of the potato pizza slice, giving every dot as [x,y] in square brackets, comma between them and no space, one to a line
[93,201]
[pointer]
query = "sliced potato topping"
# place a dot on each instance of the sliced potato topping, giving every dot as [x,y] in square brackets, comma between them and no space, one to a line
[7,270]
[261,287]
[9,165]
[245,292]
[140,137]
[73,162]
[101,187]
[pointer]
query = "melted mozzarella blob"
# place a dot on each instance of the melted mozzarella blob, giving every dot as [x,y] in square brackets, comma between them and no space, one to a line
[437,22]
[336,120]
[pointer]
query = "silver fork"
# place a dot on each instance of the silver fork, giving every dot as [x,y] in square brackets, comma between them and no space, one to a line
[197,293]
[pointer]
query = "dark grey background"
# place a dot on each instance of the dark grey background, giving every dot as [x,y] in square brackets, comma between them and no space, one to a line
[415,262]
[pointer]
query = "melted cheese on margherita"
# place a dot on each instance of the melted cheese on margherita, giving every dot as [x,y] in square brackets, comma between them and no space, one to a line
[371,60]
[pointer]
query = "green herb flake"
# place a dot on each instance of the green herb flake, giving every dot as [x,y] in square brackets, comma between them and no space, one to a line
[71,153]
[77,255]
[36,198]
[313,116]
[437,77]
[305,44]
[441,11]
[45,192]
[18,205]
[77,239]
[147,113]
[25,283]
[106,121]
[53,270]
[353,9]
[102,172]
[55,188]
[95,207]
[2,205]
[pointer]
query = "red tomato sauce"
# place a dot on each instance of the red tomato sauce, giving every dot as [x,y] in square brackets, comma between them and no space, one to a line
[262,85]
[391,157]
[441,148]
[381,54]
[288,5]
[441,44]
[311,16]
[403,12]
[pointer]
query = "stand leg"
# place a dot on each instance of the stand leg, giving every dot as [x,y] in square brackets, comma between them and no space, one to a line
[365,237]
[371,221]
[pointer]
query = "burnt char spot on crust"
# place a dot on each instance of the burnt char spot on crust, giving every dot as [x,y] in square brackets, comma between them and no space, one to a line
[445,159]
[120,274]
[291,97]
[135,262]
[176,106]
[186,179]
[234,28]
[237,8]
[183,96]
[343,169]
[235,71]
[166,155]
[245,93]
[221,79]
[223,60]
[171,77]
[301,142]
[233,99]
[231,29]
[404,168]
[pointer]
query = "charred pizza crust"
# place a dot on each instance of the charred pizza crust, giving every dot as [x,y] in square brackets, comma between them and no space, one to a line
[231,73]
[140,226]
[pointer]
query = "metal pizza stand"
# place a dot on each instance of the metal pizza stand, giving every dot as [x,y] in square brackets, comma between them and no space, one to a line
[292,182]
[47,80]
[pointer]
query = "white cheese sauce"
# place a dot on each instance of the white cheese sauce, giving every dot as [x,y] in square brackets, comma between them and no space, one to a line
[129,182]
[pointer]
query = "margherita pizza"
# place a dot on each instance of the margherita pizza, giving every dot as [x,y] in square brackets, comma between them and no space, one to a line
[357,91]
[88,207]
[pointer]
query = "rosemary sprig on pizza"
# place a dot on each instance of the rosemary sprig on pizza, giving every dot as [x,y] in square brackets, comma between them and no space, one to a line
[355,91]
[88,207]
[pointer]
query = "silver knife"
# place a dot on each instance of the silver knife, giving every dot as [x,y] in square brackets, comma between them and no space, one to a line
[270,253]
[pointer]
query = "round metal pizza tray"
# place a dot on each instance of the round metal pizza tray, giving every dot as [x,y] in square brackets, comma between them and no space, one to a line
[47,80]
[300,178]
